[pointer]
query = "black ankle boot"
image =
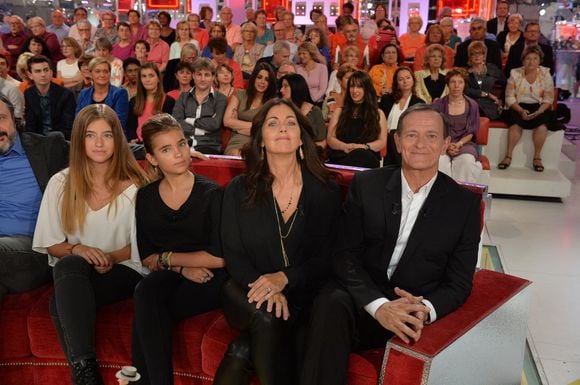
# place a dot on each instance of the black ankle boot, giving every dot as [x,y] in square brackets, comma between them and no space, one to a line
[86,372]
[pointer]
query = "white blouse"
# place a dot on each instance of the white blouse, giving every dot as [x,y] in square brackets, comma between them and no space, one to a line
[110,228]
[395,114]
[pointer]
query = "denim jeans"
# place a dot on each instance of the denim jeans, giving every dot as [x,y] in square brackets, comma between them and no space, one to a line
[21,269]
[78,291]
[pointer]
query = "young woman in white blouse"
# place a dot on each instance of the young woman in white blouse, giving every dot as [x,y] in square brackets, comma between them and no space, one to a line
[85,224]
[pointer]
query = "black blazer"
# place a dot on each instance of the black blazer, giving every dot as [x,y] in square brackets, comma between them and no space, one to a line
[502,36]
[62,109]
[441,253]
[133,120]
[493,53]
[514,59]
[492,26]
[251,243]
[47,155]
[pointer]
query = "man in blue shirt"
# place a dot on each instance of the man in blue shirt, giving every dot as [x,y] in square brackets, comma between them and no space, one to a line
[27,161]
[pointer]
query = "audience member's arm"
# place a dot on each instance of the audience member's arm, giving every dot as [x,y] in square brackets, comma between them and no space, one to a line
[231,118]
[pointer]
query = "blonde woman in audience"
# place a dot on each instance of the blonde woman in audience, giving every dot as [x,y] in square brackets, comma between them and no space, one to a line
[249,52]
[85,224]
[315,73]
[434,35]
[68,69]
[382,73]
[511,35]
[430,81]
[413,39]
[352,57]
[182,37]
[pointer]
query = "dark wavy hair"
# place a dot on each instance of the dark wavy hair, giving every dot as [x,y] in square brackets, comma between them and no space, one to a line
[299,92]
[45,50]
[272,89]
[368,110]
[380,58]
[397,94]
[259,179]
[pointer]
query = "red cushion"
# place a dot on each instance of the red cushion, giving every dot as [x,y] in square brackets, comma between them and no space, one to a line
[484,162]
[16,372]
[498,124]
[14,311]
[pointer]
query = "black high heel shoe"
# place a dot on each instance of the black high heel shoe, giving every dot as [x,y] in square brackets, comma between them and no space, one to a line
[503,165]
[538,167]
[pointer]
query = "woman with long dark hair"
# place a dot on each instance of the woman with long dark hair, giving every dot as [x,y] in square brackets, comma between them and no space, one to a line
[357,131]
[294,88]
[245,104]
[277,228]
[394,104]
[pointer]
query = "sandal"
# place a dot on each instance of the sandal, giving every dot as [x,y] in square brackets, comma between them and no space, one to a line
[538,167]
[503,165]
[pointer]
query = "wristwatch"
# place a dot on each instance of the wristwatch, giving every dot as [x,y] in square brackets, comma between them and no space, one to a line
[484,94]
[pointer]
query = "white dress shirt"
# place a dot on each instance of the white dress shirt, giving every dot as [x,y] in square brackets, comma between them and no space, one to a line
[411,204]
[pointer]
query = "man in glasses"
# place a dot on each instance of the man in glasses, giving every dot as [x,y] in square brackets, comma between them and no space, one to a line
[532,35]
[477,32]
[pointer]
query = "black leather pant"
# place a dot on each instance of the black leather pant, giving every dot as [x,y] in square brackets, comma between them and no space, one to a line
[266,345]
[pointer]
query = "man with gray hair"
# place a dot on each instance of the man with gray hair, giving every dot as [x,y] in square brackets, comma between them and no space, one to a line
[37,26]
[279,30]
[58,27]
[14,40]
[80,13]
[477,31]
[280,54]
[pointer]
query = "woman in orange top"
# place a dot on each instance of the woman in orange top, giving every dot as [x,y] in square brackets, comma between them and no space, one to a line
[382,73]
[434,35]
[413,39]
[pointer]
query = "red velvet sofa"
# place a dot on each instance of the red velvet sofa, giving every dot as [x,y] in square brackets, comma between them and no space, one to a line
[30,353]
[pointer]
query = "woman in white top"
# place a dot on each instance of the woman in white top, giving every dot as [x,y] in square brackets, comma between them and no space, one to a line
[85,224]
[182,37]
[67,69]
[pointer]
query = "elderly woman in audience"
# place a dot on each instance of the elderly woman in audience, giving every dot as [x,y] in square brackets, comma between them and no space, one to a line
[511,35]
[382,73]
[413,39]
[434,35]
[217,30]
[199,34]
[123,48]
[103,48]
[178,237]
[357,131]
[315,73]
[451,38]
[529,95]
[107,28]
[430,81]
[158,48]
[102,91]
[385,35]
[394,104]
[189,54]
[249,52]
[462,113]
[483,77]
[245,104]
[142,49]
[150,100]
[85,224]
[294,88]
[288,194]
[68,69]
[224,80]
[183,36]
[264,35]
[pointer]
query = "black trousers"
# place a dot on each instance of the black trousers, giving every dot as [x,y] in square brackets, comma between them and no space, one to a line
[78,291]
[267,346]
[161,299]
[357,158]
[21,269]
[337,327]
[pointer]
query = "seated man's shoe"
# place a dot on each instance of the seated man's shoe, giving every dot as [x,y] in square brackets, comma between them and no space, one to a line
[86,372]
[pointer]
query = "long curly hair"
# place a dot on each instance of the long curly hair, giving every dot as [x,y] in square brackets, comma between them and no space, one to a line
[368,110]
[259,179]
[271,91]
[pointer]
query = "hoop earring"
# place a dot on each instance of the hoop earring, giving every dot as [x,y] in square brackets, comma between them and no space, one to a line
[301,153]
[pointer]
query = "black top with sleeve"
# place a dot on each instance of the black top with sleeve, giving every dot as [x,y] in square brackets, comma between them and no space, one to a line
[193,227]
[251,240]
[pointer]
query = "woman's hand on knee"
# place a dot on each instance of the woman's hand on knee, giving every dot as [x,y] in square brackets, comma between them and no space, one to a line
[266,286]
[279,304]
[103,269]
[197,274]
[92,255]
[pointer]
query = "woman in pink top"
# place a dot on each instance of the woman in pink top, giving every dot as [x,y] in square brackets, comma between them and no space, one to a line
[158,49]
[413,39]
[150,100]
[123,48]
[199,34]
[316,74]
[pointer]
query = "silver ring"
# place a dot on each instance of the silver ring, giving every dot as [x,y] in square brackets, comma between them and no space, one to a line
[205,275]
[269,289]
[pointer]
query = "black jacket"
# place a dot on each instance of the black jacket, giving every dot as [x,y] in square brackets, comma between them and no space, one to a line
[514,59]
[62,110]
[493,53]
[47,155]
[492,26]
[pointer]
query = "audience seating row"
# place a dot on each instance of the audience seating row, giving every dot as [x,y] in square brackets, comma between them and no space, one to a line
[30,353]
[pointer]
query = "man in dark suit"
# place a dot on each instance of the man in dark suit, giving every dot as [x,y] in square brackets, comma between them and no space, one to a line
[27,162]
[406,253]
[499,22]
[532,35]
[477,31]
[49,107]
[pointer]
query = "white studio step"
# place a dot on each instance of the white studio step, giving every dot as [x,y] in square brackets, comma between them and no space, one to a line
[520,178]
